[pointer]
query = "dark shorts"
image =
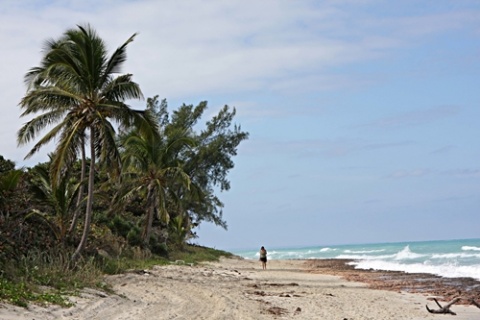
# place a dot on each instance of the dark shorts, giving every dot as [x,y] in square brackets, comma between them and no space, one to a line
[264,259]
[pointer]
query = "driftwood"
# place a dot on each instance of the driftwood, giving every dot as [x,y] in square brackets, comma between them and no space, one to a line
[445,309]
[475,303]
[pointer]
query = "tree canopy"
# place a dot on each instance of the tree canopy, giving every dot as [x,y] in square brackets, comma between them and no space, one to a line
[151,176]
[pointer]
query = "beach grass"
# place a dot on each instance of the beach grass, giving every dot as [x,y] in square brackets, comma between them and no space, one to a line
[194,254]
[48,278]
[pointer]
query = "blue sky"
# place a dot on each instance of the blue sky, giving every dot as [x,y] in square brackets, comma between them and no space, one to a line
[363,115]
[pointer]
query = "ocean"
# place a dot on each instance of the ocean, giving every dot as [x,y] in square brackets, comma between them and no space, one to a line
[446,258]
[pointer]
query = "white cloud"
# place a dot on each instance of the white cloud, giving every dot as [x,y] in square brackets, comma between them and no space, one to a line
[188,48]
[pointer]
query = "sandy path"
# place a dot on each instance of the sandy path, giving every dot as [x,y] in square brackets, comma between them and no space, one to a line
[237,289]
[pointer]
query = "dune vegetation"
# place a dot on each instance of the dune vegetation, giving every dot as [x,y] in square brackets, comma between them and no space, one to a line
[123,188]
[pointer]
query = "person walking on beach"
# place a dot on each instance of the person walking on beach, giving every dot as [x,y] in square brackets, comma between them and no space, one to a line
[263,257]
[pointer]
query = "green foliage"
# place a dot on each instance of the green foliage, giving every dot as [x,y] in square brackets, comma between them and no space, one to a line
[134,236]
[159,248]
[210,161]
[19,294]
[11,182]
[54,269]
[121,226]
[136,217]
[178,231]
[6,165]
[195,254]
[49,277]
[139,259]
[152,168]
[204,157]
[18,237]
[55,203]
[116,266]
[42,277]
[77,90]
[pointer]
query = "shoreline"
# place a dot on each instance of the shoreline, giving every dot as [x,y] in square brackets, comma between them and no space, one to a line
[442,288]
[236,288]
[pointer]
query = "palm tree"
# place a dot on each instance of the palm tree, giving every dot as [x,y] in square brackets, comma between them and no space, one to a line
[59,201]
[81,97]
[151,162]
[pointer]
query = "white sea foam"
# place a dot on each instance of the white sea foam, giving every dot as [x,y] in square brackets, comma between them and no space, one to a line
[363,251]
[282,254]
[407,254]
[404,254]
[454,258]
[460,255]
[365,257]
[448,270]
[470,248]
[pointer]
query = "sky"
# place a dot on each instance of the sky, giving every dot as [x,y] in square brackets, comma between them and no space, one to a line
[362,115]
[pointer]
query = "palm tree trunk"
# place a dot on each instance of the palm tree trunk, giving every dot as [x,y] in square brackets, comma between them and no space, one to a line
[88,211]
[76,214]
[149,218]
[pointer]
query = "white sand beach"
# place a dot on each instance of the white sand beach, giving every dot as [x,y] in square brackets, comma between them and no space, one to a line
[238,289]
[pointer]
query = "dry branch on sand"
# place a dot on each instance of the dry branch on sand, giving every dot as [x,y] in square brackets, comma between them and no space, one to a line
[446,309]
[475,303]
